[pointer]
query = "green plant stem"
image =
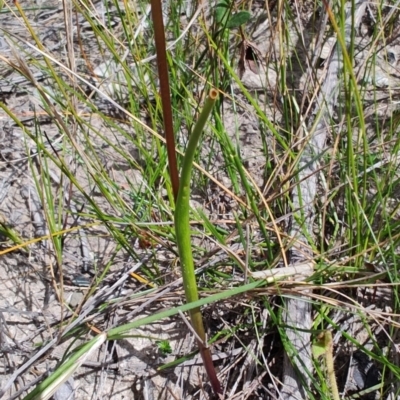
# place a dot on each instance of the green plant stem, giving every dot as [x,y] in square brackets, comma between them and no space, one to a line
[182,228]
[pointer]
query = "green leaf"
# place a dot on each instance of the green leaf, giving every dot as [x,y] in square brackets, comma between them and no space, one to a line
[165,347]
[238,19]
[222,12]
[318,350]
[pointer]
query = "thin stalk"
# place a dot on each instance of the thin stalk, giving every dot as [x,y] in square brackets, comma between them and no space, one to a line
[159,36]
[182,228]
[324,346]
[330,365]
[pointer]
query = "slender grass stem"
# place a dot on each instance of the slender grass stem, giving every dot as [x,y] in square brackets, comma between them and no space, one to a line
[182,228]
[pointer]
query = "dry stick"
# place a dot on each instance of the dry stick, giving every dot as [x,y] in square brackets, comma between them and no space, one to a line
[159,36]
[297,314]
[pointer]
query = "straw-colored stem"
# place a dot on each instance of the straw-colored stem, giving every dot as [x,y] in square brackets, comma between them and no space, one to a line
[329,364]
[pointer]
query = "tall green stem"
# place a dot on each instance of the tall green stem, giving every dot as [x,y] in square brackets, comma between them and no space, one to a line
[182,229]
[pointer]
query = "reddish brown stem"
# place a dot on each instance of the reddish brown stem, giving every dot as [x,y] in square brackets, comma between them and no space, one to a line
[159,35]
[195,315]
[210,369]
